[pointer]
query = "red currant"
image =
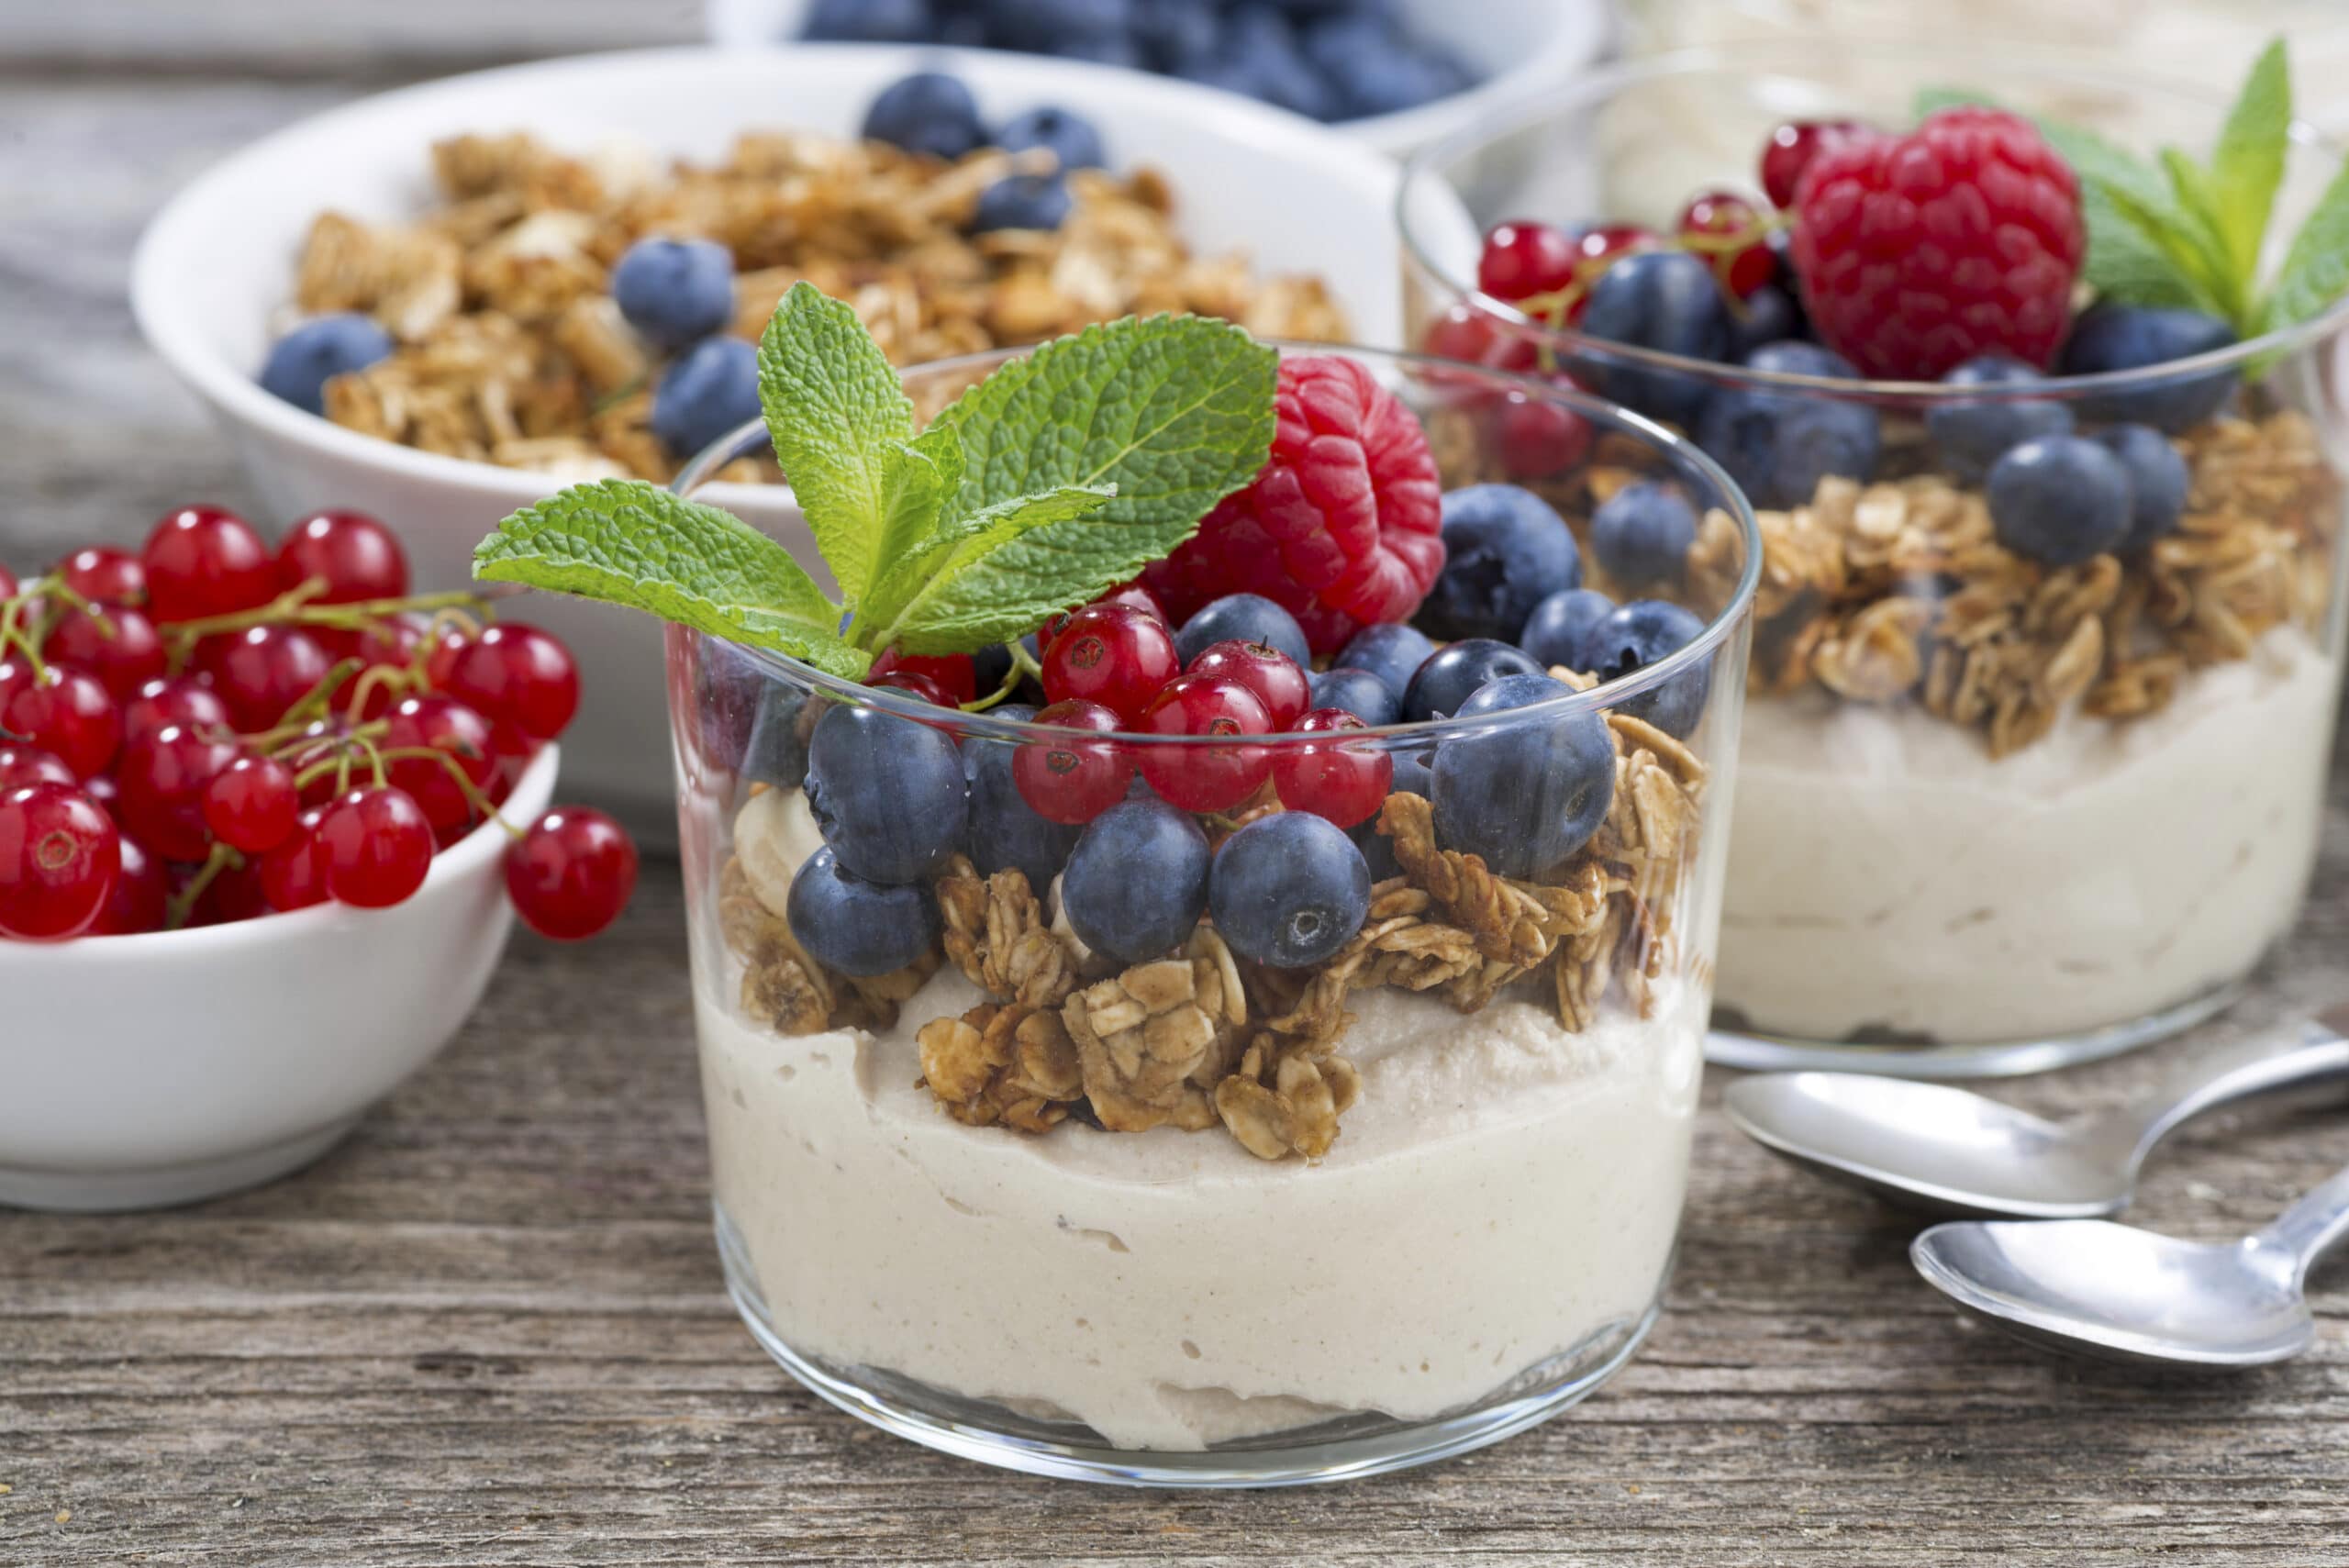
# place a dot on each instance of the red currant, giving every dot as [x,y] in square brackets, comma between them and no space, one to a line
[376,847]
[356,557]
[441,724]
[1538,439]
[1205,778]
[104,575]
[954,673]
[917,685]
[250,804]
[1111,655]
[162,781]
[1264,670]
[1790,150]
[234,894]
[202,560]
[1073,781]
[102,788]
[1522,258]
[513,675]
[261,671]
[140,891]
[1474,338]
[8,584]
[22,765]
[63,710]
[1597,249]
[322,741]
[121,650]
[293,875]
[1345,782]
[179,699]
[572,874]
[59,857]
[1721,214]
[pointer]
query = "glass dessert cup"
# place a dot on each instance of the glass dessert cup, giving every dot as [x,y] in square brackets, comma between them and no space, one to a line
[1992,818]
[1179,1218]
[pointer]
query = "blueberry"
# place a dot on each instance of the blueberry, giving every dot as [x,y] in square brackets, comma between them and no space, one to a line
[1377,849]
[1506,550]
[728,689]
[1248,618]
[1643,532]
[705,393]
[1070,137]
[2060,500]
[1374,67]
[1554,633]
[1523,794]
[2124,337]
[1176,35]
[1359,692]
[1778,443]
[1414,773]
[887,792]
[1639,634]
[1288,890]
[1005,831]
[302,363]
[1390,650]
[1136,880]
[1258,56]
[926,112]
[1768,315]
[1045,27]
[989,666]
[867,22]
[676,290]
[2158,482]
[1452,673]
[776,752]
[1022,201]
[1121,52]
[855,926]
[1970,436]
[1664,300]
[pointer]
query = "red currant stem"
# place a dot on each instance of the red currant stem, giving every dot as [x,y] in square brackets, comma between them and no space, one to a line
[286,739]
[374,757]
[11,631]
[1021,665]
[182,903]
[294,607]
[380,677]
[321,696]
[446,619]
[476,796]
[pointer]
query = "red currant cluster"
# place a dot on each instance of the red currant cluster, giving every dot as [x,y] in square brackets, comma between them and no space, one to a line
[211,730]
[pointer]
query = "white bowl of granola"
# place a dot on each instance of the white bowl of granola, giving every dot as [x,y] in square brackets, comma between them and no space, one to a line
[214,282]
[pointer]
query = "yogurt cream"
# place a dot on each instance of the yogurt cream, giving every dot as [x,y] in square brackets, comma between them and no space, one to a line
[1504,1192]
[1888,879]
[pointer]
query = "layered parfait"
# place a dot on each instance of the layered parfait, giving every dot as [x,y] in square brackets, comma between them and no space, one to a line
[1207,944]
[2045,651]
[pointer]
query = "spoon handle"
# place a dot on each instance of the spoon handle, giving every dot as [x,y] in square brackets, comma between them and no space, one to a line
[2314,1223]
[2317,1050]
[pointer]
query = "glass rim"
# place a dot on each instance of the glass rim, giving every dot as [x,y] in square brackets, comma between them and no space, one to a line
[1696,653]
[1431,162]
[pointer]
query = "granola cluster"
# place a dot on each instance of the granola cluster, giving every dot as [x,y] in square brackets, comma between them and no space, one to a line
[1899,590]
[1198,1036]
[511,350]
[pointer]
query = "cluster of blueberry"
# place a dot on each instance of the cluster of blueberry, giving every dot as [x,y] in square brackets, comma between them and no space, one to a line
[1331,59]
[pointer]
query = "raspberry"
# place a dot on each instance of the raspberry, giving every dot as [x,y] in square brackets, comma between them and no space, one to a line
[1340,527]
[1920,251]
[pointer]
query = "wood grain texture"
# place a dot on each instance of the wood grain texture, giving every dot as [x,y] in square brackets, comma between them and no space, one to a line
[489,1330]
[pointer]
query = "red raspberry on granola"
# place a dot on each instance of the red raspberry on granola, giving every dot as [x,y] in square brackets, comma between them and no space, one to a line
[1341,527]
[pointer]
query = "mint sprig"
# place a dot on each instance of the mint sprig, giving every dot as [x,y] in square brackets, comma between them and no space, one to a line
[2174,232]
[1054,479]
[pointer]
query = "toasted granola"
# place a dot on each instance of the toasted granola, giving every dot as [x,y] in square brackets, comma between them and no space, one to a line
[511,352]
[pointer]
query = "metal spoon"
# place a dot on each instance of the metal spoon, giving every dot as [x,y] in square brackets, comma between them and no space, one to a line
[2090,1287]
[1950,1151]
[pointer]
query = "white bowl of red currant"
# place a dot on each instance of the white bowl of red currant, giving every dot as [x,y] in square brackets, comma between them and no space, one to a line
[265,820]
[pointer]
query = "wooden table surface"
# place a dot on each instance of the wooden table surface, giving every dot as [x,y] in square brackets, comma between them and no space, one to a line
[490,1329]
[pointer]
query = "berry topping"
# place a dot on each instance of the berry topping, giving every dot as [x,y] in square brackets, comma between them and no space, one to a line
[1071,780]
[914,684]
[1792,147]
[2110,338]
[1392,652]
[1715,222]
[1277,680]
[2060,500]
[706,392]
[572,874]
[1340,527]
[887,792]
[1506,550]
[1111,655]
[2158,481]
[1007,828]
[1022,201]
[1524,795]
[1919,252]
[302,363]
[1664,300]
[1641,534]
[1555,632]
[1970,434]
[356,558]
[1202,777]
[1069,136]
[1241,617]
[1637,635]
[857,927]
[1522,258]
[1449,674]
[956,674]
[1778,444]
[776,752]
[59,858]
[1357,691]
[1345,782]
[1536,439]
[676,291]
[1288,890]
[927,112]
[1771,314]
[1474,338]
[201,562]
[1136,880]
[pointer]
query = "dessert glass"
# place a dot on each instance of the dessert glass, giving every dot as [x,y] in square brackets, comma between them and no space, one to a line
[1991,817]
[1511,1090]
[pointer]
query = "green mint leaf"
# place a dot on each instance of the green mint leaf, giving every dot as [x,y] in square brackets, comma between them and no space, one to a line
[833,404]
[918,479]
[628,542]
[974,587]
[2248,165]
[2124,264]
[1177,412]
[2165,229]
[2197,206]
[2315,272]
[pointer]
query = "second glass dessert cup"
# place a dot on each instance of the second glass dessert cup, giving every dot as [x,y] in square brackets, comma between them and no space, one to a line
[1178,1215]
[1992,818]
